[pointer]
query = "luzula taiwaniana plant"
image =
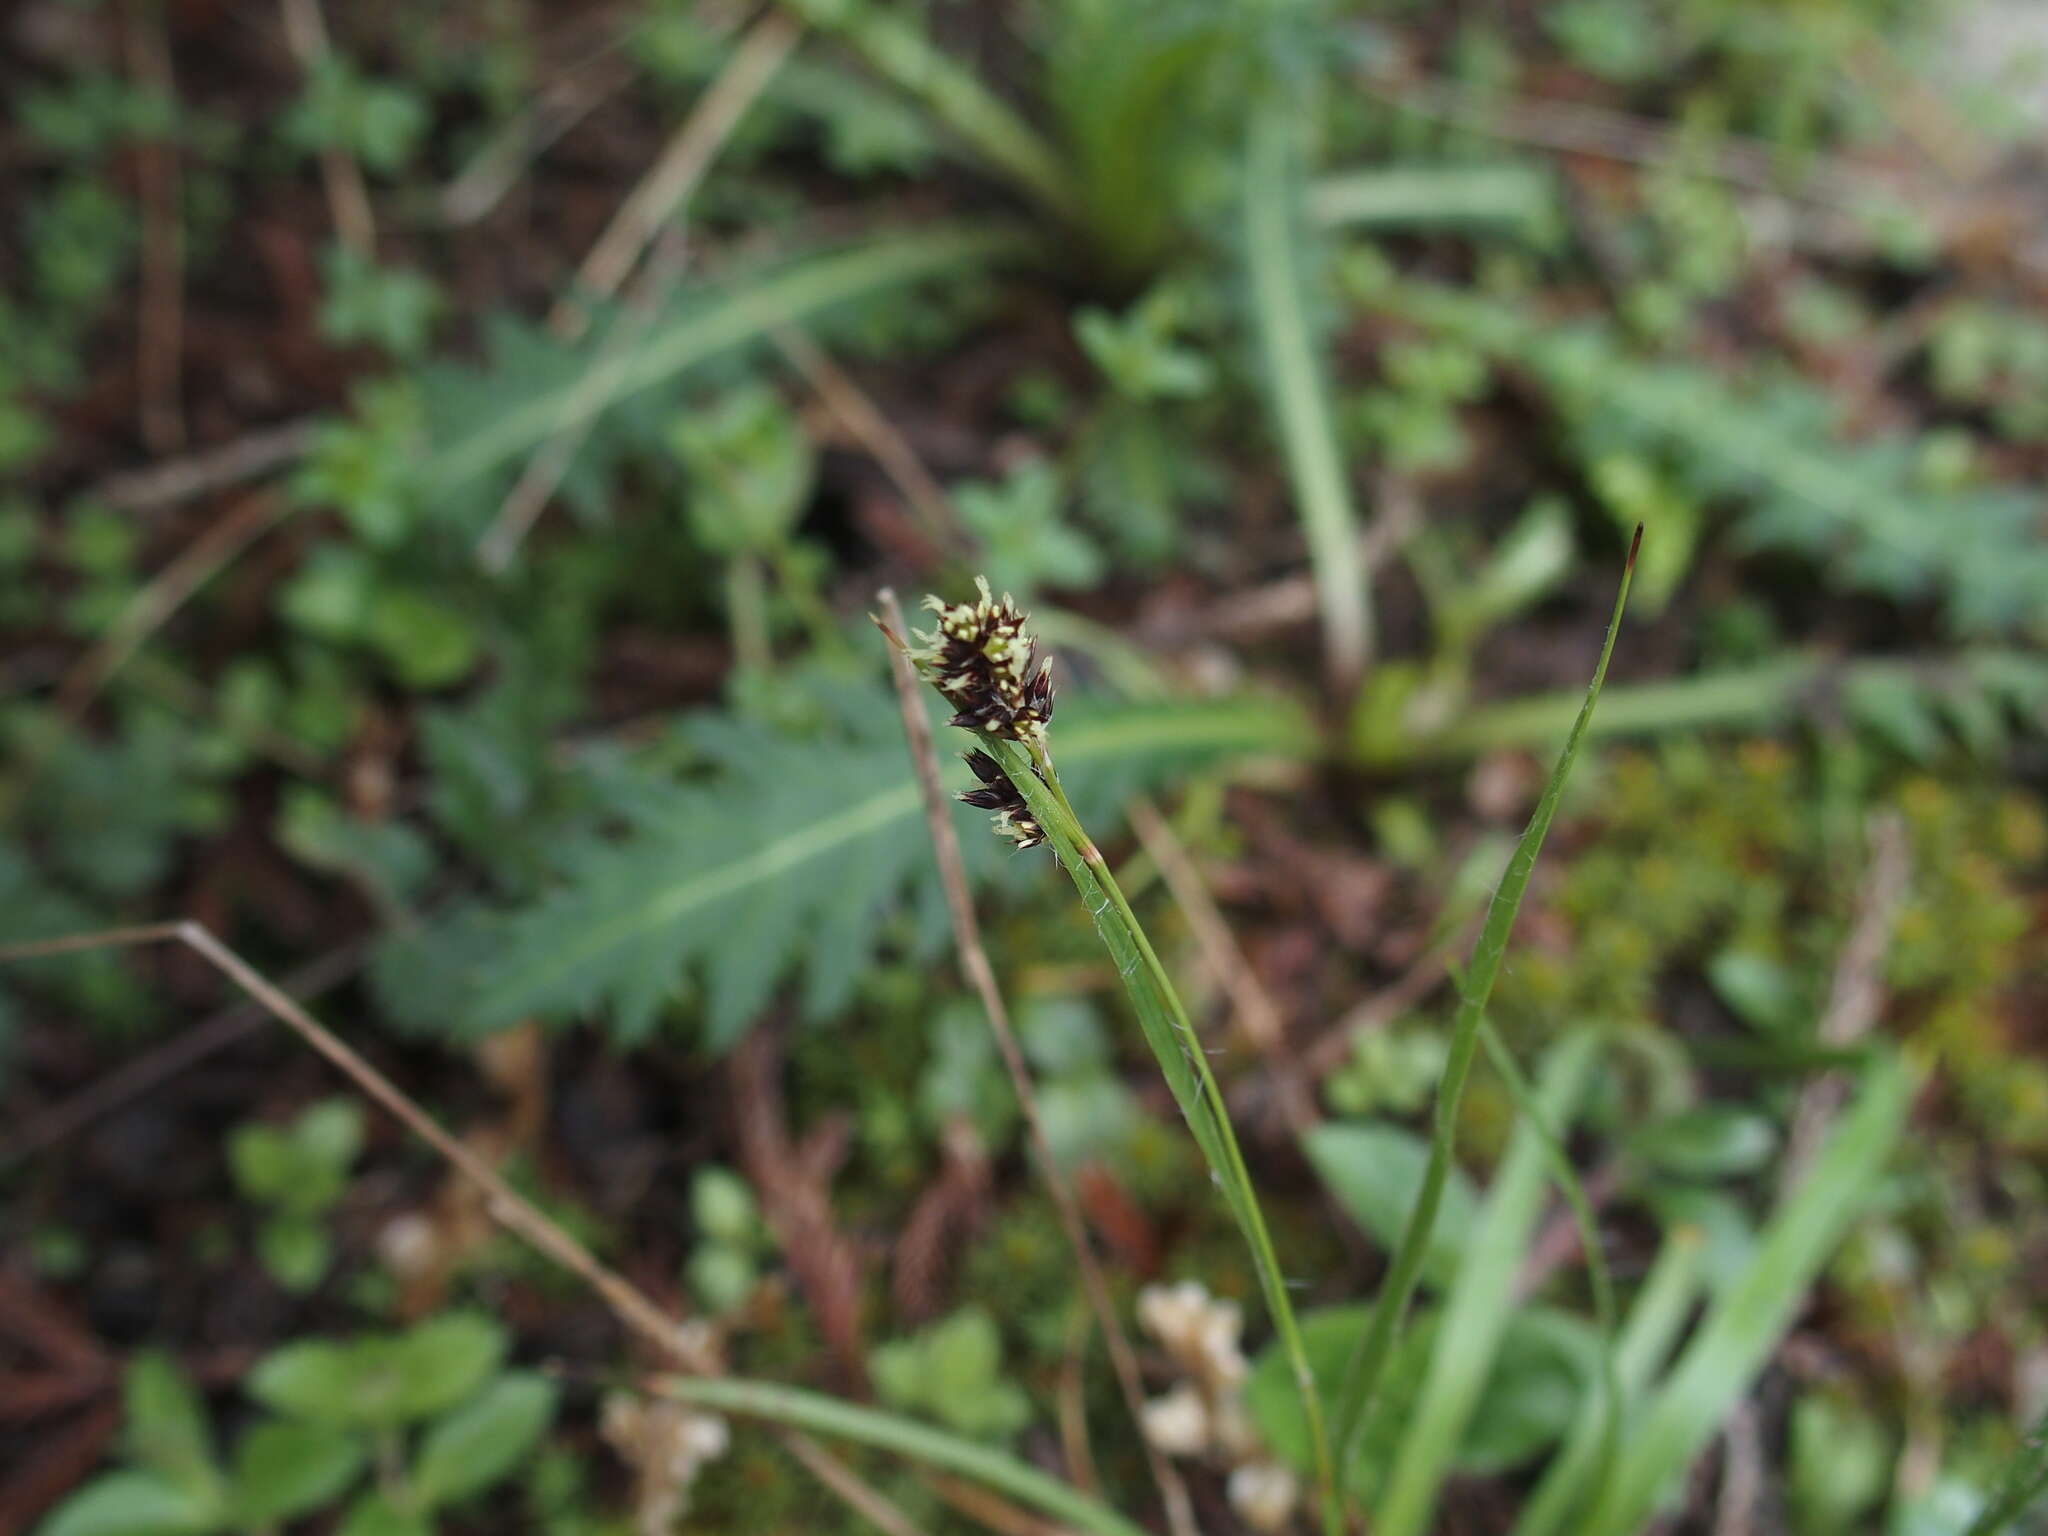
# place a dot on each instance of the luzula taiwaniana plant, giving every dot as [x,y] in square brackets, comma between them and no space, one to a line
[982,658]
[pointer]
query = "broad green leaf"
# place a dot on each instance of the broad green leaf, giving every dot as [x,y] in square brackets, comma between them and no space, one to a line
[482,1441]
[323,1380]
[1375,1170]
[296,1250]
[381,1380]
[1712,1141]
[375,1515]
[167,1428]
[444,1359]
[1839,1463]
[284,1470]
[131,1504]
[1541,1374]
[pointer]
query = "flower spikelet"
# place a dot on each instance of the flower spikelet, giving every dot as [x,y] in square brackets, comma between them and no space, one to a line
[1013,818]
[983,659]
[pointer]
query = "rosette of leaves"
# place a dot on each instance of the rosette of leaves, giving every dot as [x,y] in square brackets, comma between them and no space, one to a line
[433,1406]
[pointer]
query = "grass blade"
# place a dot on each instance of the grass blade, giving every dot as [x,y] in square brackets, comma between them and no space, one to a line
[1184,1064]
[1748,1318]
[1369,1361]
[818,1414]
[1301,406]
[2025,1482]
[1481,1300]
[1512,194]
[1660,1311]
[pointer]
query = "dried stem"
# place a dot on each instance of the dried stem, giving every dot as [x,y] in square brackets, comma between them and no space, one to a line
[348,200]
[974,962]
[667,186]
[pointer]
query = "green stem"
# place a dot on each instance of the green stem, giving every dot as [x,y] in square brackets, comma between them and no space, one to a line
[1185,1064]
[1607,1410]
[1369,1359]
[746,608]
[1659,1312]
[831,1416]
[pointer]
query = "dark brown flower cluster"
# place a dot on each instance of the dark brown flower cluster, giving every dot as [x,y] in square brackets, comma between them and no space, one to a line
[1013,818]
[981,657]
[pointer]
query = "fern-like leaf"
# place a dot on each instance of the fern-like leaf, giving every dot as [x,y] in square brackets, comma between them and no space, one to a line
[483,422]
[787,857]
[1854,508]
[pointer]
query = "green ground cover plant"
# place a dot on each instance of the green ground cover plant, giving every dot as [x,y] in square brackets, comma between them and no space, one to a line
[447,463]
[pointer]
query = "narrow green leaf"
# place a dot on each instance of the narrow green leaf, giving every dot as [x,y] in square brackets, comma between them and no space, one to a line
[1660,1311]
[1184,1062]
[1376,1344]
[830,1416]
[2023,1487]
[1375,1171]
[1748,1319]
[1480,1303]
[1514,194]
[1301,406]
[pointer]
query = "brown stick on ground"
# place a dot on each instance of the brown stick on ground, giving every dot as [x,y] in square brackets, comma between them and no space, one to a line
[635,1311]
[1857,995]
[644,215]
[889,448]
[981,975]
[674,176]
[165,484]
[794,1181]
[348,199]
[160,329]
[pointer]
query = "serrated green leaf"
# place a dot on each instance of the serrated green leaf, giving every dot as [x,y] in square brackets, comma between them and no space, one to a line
[1771,446]
[480,422]
[788,859]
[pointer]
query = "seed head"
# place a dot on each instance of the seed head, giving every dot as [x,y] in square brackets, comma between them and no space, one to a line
[983,659]
[1013,818]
